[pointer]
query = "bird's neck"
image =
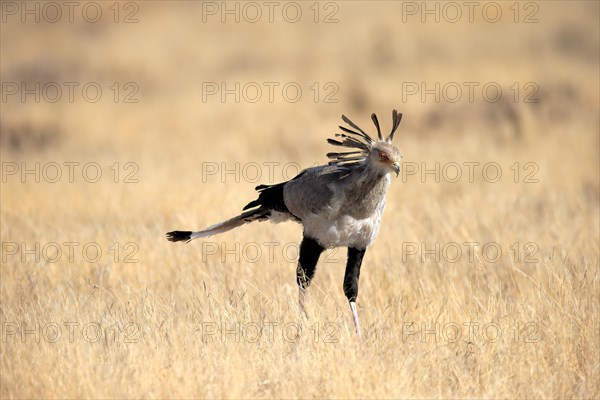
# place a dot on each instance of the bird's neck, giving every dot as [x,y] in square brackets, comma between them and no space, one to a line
[365,190]
[371,183]
[371,176]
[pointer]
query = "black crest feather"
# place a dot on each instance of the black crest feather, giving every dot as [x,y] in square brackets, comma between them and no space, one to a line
[396,118]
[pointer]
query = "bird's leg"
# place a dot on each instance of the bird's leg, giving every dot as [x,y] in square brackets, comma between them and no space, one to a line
[355,257]
[310,251]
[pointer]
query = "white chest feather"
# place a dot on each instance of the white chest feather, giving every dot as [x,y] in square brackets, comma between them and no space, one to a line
[343,230]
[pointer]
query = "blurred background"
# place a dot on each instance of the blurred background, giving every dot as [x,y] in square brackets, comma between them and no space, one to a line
[163,98]
[184,62]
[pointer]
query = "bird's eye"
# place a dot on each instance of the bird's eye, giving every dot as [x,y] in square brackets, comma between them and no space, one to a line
[383,156]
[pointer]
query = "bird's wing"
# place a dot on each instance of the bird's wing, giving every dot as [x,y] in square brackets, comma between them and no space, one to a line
[314,190]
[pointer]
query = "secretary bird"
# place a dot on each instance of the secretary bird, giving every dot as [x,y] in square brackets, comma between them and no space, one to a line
[339,204]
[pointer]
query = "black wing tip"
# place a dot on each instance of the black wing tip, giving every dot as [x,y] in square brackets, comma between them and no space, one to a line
[179,236]
[250,205]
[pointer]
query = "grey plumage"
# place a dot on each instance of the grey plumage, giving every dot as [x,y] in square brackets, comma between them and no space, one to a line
[339,204]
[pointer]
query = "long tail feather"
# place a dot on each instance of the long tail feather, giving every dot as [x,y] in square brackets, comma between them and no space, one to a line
[259,214]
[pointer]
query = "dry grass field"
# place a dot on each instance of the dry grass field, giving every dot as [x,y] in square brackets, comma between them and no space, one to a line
[484,280]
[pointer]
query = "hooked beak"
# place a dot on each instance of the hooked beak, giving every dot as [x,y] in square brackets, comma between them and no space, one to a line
[396,168]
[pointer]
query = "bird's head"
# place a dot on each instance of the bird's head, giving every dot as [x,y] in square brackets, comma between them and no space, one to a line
[380,154]
[385,157]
